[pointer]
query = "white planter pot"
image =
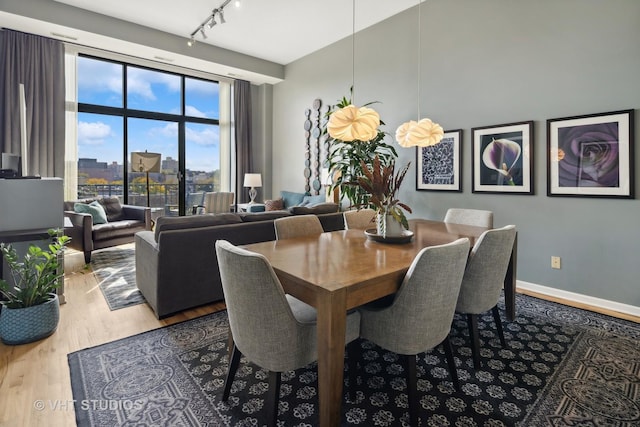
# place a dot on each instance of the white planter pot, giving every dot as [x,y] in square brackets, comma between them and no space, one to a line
[393,227]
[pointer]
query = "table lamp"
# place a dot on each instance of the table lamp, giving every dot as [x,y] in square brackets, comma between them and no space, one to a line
[145,162]
[252,180]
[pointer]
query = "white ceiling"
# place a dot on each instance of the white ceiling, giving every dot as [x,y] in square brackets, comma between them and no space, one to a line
[280,31]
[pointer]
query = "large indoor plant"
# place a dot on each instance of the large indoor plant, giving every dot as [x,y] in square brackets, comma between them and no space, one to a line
[30,308]
[347,157]
[382,183]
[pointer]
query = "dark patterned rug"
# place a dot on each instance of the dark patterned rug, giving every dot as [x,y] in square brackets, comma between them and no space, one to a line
[115,270]
[563,367]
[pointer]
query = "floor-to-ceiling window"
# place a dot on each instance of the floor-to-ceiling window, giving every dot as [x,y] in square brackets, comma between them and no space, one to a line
[125,108]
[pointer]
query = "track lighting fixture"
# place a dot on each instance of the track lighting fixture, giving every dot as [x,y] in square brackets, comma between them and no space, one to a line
[211,21]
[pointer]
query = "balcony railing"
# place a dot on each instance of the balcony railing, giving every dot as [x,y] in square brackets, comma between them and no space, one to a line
[161,195]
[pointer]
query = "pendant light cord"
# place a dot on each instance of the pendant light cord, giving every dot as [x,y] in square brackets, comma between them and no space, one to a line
[419,55]
[353,51]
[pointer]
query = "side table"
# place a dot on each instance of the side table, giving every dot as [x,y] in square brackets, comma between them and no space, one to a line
[251,207]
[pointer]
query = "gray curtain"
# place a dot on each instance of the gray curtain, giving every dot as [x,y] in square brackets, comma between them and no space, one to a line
[242,118]
[38,62]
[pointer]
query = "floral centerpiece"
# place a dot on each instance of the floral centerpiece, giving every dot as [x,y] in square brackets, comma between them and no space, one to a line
[382,183]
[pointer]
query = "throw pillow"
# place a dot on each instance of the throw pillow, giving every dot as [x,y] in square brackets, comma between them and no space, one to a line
[313,200]
[112,207]
[274,205]
[321,208]
[95,209]
[291,199]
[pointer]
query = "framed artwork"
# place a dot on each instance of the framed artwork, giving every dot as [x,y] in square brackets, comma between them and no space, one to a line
[502,160]
[439,166]
[591,156]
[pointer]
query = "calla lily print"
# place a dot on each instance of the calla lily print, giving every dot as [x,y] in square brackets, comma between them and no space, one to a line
[502,158]
[502,155]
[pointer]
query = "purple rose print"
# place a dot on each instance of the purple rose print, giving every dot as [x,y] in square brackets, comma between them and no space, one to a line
[501,155]
[590,156]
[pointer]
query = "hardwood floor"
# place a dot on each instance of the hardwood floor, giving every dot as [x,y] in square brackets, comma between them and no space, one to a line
[38,374]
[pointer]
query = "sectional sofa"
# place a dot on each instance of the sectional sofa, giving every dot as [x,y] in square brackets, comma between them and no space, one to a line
[176,264]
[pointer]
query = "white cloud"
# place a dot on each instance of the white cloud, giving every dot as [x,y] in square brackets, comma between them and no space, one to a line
[202,87]
[207,136]
[140,82]
[99,76]
[93,133]
[169,130]
[194,112]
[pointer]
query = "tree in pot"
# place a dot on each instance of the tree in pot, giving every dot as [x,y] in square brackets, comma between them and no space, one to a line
[30,307]
[347,153]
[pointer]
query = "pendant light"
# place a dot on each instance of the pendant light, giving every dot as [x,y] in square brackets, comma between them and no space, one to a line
[352,123]
[423,132]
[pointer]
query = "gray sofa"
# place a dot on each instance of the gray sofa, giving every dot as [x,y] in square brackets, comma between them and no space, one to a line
[176,264]
[123,221]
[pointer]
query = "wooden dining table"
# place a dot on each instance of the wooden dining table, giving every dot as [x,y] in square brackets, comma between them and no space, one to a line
[340,270]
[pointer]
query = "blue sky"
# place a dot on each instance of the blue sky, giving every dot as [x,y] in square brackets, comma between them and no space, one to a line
[101,136]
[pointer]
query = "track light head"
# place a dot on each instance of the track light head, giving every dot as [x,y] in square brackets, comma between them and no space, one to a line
[212,21]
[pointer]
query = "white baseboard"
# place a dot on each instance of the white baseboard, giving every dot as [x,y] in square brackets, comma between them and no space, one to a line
[579,298]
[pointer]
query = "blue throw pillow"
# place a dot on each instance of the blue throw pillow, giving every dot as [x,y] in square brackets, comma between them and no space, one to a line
[98,215]
[291,199]
[313,200]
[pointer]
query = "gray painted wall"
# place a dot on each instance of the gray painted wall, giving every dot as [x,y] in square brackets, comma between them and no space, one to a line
[485,63]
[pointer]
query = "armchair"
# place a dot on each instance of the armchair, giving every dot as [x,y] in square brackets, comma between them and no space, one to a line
[218,202]
[123,221]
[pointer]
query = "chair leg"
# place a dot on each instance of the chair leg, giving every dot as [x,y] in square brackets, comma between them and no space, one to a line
[412,389]
[234,361]
[472,320]
[272,398]
[87,257]
[496,318]
[448,351]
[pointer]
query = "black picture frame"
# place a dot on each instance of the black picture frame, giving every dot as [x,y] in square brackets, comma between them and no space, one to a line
[502,158]
[591,155]
[439,167]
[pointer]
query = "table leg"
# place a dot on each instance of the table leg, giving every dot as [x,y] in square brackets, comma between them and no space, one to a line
[332,313]
[510,282]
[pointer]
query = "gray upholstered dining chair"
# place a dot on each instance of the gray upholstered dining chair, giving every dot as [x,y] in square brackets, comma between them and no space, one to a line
[271,329]
[475,217]
[421,313]
[297,225]
[359,219]
[483,280]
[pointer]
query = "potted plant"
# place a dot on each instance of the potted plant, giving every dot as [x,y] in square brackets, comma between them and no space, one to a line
[382,183]
[30,309]
[346,158]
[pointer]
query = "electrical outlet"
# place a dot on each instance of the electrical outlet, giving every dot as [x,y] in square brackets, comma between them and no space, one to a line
[555,262]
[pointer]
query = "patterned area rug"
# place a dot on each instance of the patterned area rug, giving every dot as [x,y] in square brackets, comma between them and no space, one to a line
[115,270]
[562,367]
